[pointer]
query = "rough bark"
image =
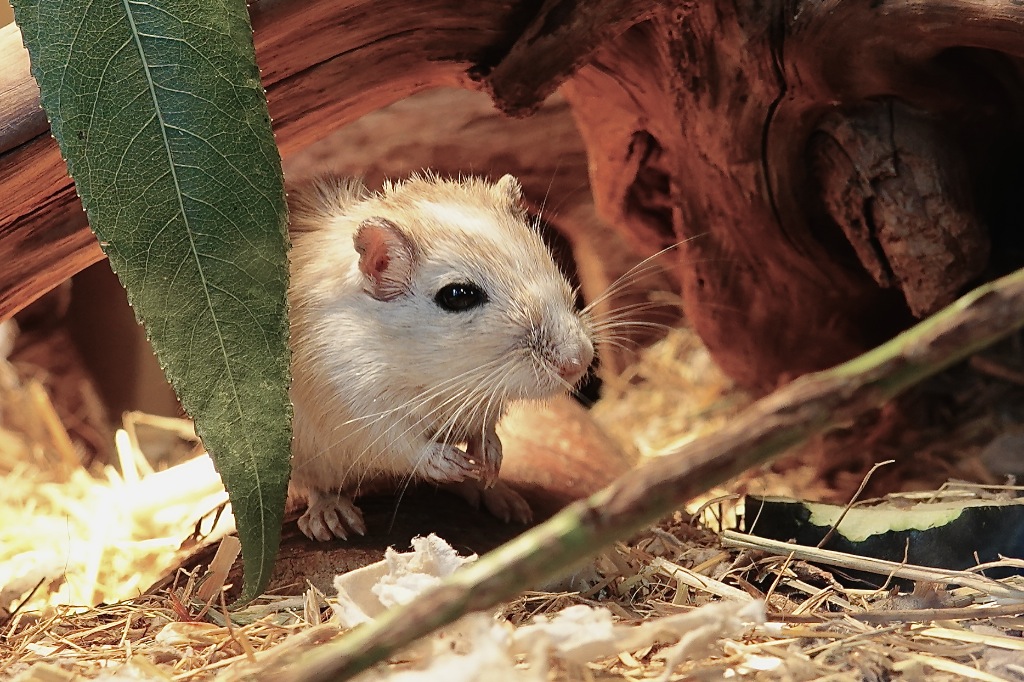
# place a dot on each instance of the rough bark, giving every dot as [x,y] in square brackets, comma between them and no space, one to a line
[836,168]
[822,160]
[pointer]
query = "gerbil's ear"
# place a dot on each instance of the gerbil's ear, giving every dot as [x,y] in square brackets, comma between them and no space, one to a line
[386,258]
[510,188]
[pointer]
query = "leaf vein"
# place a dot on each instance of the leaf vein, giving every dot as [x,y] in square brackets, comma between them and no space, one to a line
[127,4]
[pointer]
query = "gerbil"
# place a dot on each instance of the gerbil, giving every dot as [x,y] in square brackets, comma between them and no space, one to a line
[417,314]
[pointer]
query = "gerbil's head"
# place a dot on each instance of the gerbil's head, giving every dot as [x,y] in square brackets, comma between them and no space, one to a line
[468,291]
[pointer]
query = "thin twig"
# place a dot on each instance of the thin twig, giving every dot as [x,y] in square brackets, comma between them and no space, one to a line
[852,501]
[982,584]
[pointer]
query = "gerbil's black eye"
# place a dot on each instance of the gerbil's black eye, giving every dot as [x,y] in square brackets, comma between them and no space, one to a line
[459,297]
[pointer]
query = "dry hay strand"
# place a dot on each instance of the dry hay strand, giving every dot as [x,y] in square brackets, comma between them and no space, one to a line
[153,637]
[670,396]
[83,536]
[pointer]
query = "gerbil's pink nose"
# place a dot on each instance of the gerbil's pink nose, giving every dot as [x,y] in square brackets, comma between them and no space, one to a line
[571,357]
[571,369]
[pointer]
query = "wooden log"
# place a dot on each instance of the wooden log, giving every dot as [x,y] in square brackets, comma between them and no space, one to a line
[698,124]
[703,123]
[902,199]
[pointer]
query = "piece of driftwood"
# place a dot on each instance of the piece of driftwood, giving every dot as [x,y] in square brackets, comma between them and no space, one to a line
[837,168]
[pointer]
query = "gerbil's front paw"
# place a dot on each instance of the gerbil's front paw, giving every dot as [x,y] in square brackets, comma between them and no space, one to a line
[486,452]
[500,500]
[445,463]
[329,516]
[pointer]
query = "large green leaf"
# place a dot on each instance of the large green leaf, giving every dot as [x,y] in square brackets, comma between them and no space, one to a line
[159,112]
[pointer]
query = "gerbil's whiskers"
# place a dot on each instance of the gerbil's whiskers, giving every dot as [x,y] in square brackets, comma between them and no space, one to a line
[613,327]
[644,268]
[456,388]
[547,193]
[458,393]
[623,317]
[467,411]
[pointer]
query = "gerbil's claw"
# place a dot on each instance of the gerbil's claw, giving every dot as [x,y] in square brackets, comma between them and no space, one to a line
[500,500]
[445,463]
[316,527]
[487,451]
[330,516]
